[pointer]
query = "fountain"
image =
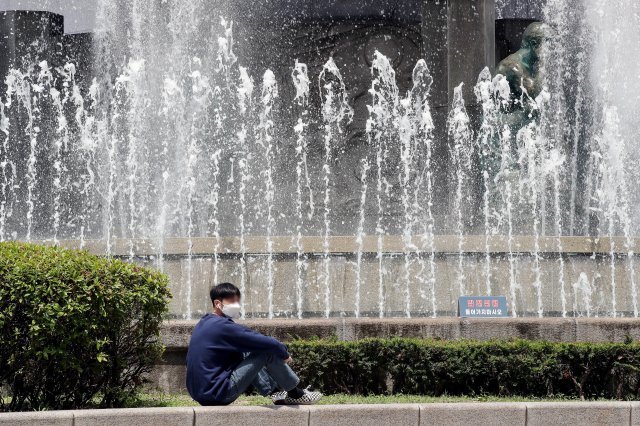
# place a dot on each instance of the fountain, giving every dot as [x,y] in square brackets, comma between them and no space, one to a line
[377,172]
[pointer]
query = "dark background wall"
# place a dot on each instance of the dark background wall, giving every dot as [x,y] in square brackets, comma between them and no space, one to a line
[520,9]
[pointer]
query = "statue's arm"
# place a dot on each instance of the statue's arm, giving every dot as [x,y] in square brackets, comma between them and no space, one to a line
[513,71]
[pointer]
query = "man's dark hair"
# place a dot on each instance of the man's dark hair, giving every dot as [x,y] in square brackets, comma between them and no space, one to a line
[224,291]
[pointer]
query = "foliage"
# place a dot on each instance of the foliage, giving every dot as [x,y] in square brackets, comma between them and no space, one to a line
[471,368]
[74,326]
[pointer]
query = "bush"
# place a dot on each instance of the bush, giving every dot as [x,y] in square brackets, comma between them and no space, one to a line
[465,367]
[75,328]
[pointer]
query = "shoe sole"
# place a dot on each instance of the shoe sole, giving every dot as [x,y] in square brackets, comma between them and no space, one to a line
[285,402]
[296,403]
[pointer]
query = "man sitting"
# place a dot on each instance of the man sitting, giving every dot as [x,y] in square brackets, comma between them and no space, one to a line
[224,358]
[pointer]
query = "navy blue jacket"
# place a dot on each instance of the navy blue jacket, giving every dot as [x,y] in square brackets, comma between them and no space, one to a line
[215,350]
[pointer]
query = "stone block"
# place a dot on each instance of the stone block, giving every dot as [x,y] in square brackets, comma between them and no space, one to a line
[607,329]
[242,416]
[470,22]
[173,416]
[486,413]
[364,415]
[170,376]
[578,413]
[43,418]
[635,413]
[176,334]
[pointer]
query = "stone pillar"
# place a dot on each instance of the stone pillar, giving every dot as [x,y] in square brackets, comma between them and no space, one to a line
[458,41]
[435,49]
[471,43]
[27,37]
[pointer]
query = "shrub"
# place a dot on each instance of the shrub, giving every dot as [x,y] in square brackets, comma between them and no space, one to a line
[75,328]
[466,367]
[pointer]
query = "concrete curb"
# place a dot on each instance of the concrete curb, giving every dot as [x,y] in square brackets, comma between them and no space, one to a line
[444,414]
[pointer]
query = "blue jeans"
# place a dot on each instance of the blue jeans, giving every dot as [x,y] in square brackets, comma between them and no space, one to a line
[266,372]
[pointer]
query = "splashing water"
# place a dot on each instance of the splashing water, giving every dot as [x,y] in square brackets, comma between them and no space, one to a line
[301,82]
[382,112]
[360,235]
[265,140]
[152,150]
[335,111]
[461,152]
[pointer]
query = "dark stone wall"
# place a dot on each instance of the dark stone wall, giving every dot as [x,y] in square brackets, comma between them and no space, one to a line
[77,49]
[455,37]
[352,44]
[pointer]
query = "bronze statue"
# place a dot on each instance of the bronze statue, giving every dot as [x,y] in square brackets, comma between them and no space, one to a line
[523,73]
[522,69]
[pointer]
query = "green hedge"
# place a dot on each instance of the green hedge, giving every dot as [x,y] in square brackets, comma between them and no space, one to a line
[75,327]
[465,367]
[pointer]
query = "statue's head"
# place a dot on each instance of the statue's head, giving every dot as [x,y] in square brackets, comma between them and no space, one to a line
[535,35]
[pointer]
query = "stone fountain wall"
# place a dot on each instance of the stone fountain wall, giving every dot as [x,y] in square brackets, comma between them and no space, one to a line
[587,276]
[395,289]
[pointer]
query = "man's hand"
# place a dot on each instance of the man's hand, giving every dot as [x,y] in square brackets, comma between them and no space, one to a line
[288,360]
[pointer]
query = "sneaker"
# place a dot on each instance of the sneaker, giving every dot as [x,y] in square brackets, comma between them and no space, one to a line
[309,398]
[278,397]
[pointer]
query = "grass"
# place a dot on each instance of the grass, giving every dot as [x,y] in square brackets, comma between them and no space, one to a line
[152,399]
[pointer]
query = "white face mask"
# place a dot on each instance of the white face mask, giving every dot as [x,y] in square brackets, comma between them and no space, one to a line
[231,310]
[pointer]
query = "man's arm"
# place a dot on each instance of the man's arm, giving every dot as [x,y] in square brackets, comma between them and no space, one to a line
[243,339]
